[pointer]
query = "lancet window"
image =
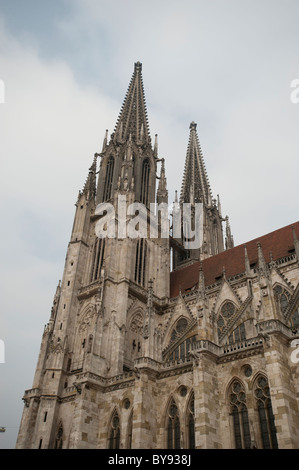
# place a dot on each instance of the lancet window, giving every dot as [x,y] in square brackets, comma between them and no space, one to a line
[109,179]
[98,259]
[282,297]
[173,427]
[145,181]
[265,413]
[140,261]
[114,432]
[58,439]
[239,413]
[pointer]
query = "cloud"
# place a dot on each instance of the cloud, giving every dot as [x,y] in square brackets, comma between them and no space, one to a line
[227,66]
[50,129]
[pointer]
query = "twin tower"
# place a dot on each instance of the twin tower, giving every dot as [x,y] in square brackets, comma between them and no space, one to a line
[108,309]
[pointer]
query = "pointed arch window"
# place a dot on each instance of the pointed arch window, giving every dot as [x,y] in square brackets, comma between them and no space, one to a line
[114,432]
[295,319]
[98,259]
[140,261]
[58,439]
[109,179]
[191,424]
[265,413]
[173,427]
[282,297]
[145,181]
[182,351]
[227,311]
[239,334]
[239,413]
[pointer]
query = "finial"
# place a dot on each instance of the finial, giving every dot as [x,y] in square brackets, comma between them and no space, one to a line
[193,125]
[262,263]
[219,205]
[137,66]
[247,264]
[156,146]
[105,140]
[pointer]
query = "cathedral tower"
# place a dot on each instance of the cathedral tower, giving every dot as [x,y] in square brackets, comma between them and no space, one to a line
[112,286]
[138,356]
[196,189]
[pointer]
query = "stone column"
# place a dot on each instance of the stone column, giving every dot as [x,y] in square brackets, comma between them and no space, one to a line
[206,402]
[144,417]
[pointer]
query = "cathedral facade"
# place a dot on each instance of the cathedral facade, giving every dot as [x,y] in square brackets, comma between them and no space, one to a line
[150,345]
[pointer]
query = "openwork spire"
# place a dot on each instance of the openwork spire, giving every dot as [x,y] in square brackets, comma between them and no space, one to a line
[195,185]
[133,115]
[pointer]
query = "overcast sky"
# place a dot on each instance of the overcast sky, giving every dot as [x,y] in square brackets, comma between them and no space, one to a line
[228,65]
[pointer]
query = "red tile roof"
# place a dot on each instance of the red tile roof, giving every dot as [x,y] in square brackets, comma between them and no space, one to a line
[279,243]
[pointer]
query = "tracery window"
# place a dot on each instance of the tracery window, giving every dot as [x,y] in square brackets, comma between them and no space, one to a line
[145,181]
[179,327]
[140,261]
[238,410]
[98,259]
[58,440]
[266,417]
[238,334]
[114,433]
[227,311]
[173,427]
[182,351]
[282,297]
[108,179]
[295,319]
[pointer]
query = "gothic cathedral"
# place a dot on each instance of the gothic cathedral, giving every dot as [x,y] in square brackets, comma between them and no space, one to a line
[150,345]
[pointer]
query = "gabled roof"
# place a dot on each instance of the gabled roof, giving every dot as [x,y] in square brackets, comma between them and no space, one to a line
[132,119]
[277,244]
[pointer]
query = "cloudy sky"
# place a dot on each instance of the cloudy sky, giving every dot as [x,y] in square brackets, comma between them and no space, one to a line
[228,65]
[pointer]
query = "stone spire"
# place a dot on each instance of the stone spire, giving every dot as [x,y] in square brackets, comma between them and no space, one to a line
[262,265]
[196,191]
[195,183]
[229,241]
[162,193]
[133,114]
